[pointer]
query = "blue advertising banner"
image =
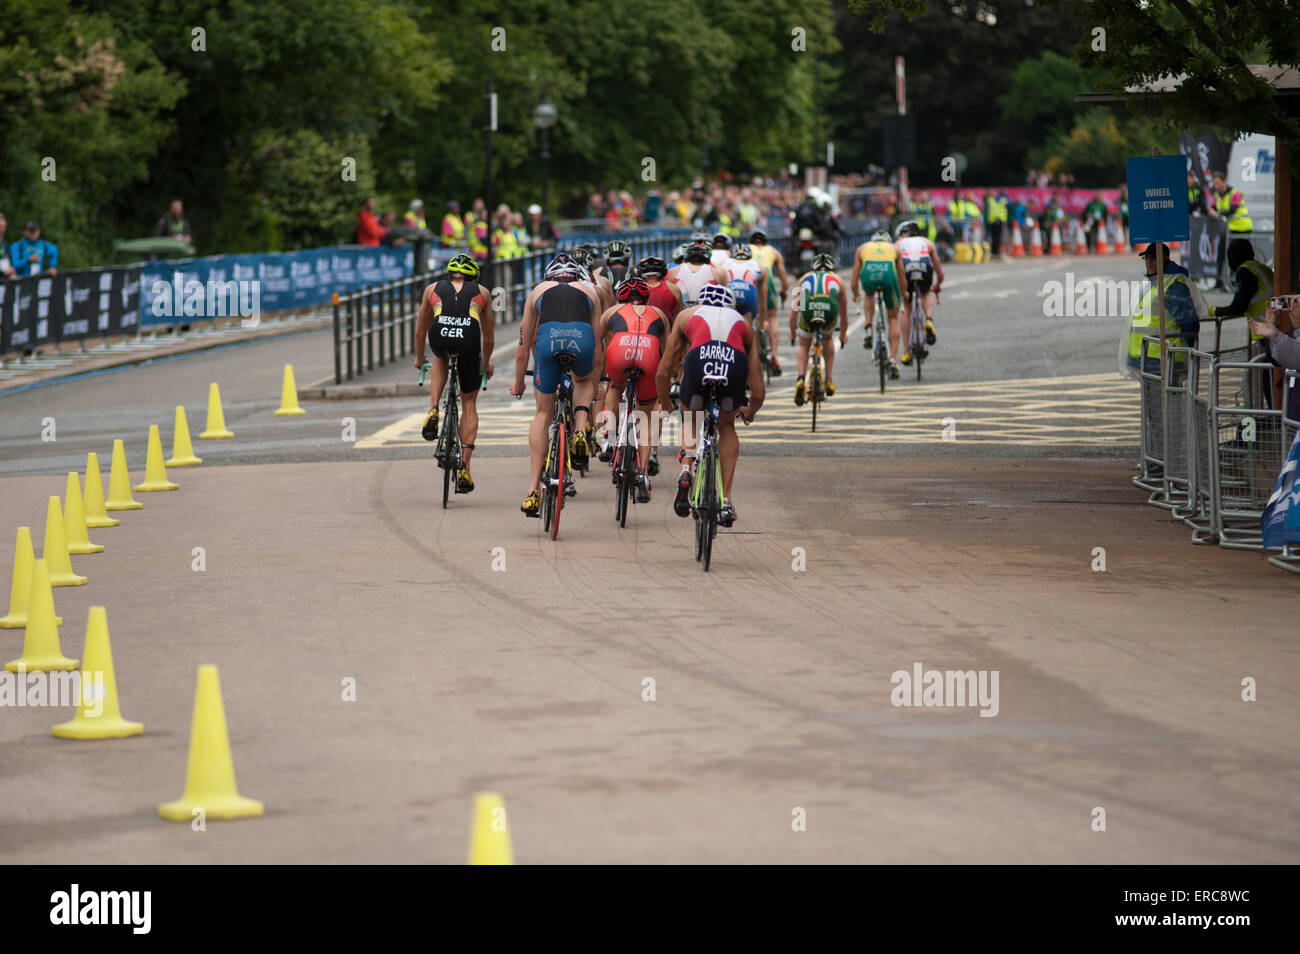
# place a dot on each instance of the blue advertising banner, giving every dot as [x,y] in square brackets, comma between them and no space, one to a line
[247,285]
[1157,206]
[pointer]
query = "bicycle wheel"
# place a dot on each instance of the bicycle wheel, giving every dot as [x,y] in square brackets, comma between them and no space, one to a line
[562,453]
[815,391]
[548,491]
[697,496]
[621,495]
[711,504]
[918,339]
[447,446]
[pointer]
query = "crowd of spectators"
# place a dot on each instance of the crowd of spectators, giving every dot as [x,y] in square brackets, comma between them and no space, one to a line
[30,255]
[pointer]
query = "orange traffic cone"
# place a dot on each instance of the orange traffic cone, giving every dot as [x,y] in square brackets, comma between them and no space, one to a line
[1120,244]
[1080,240]
[1017,240]
[1035,239]
[1054,246]
[1102,248]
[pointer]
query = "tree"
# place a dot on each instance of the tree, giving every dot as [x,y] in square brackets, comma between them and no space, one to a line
[1206,42]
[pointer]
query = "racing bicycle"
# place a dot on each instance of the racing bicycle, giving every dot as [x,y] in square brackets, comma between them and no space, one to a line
[447,451]
[557,479]
[627,467]
[706,483]
[879,340]
[916,336]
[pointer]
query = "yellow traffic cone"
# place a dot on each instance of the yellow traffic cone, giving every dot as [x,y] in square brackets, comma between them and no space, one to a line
[108,724]
[96,514]
[74,519]
[119,482]
[289,394]
[182,449]
[216,418]
[21,590]
[41,652]
[55,549]
[210,778]
[489,842]
[155,472]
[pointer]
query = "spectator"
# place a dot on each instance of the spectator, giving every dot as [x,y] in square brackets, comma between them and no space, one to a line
[369,231]
[541,233]
[1123,209]
[996,210]
[476,221]
[32,255]
[386,222]
[414,217]
[653,208]
[174,224]
[453,227]
[1093,217]
[520,232]
[1278,329]
[1195,196]
[6,267]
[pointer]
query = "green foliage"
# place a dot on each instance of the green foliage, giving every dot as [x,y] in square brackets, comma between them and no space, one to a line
[1210,43]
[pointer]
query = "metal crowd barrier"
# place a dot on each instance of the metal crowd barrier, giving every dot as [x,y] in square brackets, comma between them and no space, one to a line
[1289,557]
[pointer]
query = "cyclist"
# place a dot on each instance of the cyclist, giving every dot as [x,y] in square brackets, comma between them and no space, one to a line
[665,297]
[711,338]
[456,315]
[817,304]
[721,249]
[632,333]
[773,263]
[696,272]
[617,264]
[560,315]
[919,255]
[748,283]
[878,264]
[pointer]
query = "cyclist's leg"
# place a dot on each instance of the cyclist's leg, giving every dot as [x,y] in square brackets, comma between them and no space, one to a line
[728,450]
[903,327]
[469,369]
[828,352]
[546,378]
[584,378]
[805,343]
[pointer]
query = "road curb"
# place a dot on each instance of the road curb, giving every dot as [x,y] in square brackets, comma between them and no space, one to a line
[131,359]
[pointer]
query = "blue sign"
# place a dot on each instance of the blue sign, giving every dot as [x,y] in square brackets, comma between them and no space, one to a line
[184,290]
[1281,520]
[1157,199]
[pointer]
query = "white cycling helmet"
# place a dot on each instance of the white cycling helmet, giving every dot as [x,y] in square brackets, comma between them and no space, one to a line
[719,295]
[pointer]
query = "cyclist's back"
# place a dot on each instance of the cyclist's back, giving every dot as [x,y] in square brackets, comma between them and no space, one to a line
[691,277]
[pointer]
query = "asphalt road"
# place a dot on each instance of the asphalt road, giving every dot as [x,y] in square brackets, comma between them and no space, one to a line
[487,657]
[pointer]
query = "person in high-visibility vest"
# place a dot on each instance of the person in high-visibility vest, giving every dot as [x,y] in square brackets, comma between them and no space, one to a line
[1254,284]
[414,217]
[996,209]
[503,240]
[453,227]
[1183,310]
[957,211]
[924,210]
[1230,204]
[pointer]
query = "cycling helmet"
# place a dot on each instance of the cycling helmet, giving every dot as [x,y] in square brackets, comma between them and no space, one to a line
[759,236]
[742,252]
[880,235]
[907,228]
[697,253]
[715,294]
[701,237]
[722,240]
[618,253]
[462,264]
[679,254]
[823,262]
[652,266]
[564,268]
[633,290]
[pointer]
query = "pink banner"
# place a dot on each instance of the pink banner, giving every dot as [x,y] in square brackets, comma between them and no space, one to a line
[1072,201]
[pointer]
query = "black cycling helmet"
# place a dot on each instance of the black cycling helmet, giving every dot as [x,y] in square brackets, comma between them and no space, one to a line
[823,262]
[758,236]
[462,264]
[652,266]
[742,252]
[618,253]
[722,240]
[679,254]
[702,237]
[880,235]
[632,289]
[695,252]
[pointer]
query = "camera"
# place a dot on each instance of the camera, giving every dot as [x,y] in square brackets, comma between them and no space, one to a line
[1281,303]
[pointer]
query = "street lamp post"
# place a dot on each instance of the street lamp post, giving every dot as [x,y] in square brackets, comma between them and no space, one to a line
[544,116]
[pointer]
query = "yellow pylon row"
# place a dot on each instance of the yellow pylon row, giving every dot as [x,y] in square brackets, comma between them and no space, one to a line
[210,788]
